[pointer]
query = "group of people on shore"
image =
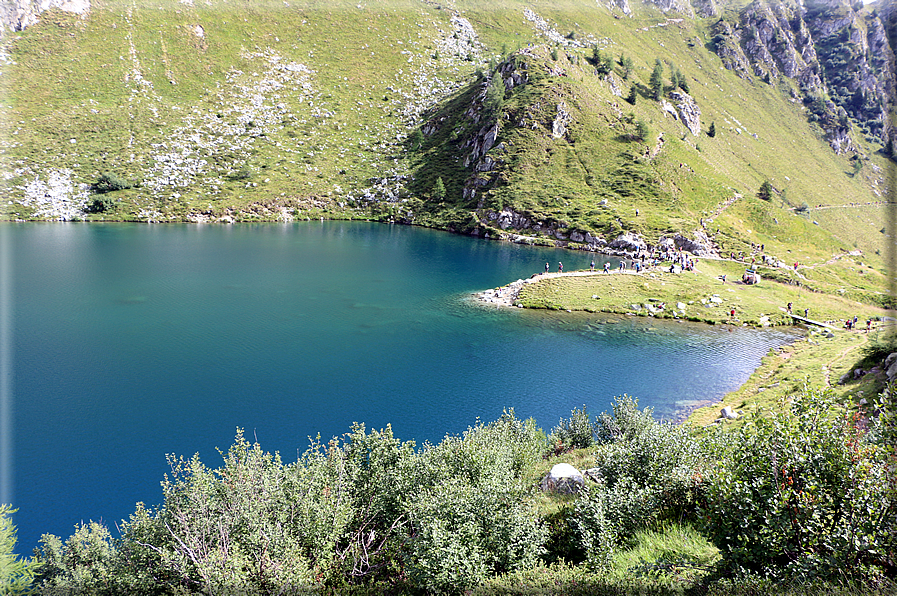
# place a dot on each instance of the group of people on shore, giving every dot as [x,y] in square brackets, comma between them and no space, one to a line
[852,324]
[849,324]
[645,260]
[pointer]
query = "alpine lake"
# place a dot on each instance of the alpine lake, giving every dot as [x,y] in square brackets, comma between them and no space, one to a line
[133,341]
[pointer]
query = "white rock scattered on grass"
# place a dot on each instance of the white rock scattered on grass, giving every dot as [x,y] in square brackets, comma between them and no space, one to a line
[563,479]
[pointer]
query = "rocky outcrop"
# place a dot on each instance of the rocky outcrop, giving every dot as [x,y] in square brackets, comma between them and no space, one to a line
[512,73]
[563,118]
[839,140]
[629,242]
[680,6]
[705,8]
[622,5]
[688,109]
[15,15]
[727,42]
[828,48]
[700,246]
[508,218]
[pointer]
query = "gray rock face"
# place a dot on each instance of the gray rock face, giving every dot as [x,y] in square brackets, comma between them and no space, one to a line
[563,118]
[668,109]
[689,112]
[508,218]
[701,245]
[890,367]
[705,8]
[628,241]
[620,4]
[563,479]
[15,15]
[839,140]
[828,48]
[727,40]
[679,6]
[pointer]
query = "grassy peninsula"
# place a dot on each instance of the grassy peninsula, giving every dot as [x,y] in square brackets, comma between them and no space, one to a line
[821,359]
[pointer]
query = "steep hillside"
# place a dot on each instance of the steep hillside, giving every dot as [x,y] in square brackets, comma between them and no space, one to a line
[598,125]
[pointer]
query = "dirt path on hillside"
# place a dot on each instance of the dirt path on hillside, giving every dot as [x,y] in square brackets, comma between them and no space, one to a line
[826,368]
[724,205]
[847,206]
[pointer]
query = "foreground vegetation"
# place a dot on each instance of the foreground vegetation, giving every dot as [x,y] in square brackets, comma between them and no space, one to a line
[807,496]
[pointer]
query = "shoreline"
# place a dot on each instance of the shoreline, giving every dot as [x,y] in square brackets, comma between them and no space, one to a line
[817,356]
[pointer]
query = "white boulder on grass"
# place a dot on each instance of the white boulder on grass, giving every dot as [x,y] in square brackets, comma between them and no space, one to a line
[563,479]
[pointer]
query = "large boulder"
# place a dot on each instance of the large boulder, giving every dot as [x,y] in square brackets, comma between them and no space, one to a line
[700,246]
[890,367]
[629,241]
[563,479]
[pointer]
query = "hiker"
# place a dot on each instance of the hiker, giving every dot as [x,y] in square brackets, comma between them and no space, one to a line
[869,325]
[789,308]
[592,266]
[606,267]
[546,267]
[723,277]
[806,313]
[732,313]
[560,267]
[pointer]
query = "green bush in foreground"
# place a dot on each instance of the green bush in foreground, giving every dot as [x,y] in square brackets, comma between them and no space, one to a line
[15,573]
[650,471]
[574,432]
[797,497]
[805,494]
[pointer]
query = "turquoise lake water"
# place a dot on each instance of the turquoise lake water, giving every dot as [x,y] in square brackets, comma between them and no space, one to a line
[134,341]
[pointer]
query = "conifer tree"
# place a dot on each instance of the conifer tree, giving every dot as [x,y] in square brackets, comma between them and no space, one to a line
[495,94]
[626,63]
[657,80]
[439,189]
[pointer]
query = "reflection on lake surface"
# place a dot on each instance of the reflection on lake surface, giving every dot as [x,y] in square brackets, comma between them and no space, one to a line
[133,341]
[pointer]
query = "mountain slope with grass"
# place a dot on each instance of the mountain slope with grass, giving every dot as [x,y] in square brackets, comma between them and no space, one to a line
[603,126]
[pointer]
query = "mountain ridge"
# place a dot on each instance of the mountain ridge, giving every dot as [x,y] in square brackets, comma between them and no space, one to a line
[245,112]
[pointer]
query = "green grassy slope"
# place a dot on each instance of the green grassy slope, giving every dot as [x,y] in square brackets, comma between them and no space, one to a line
[241,111]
